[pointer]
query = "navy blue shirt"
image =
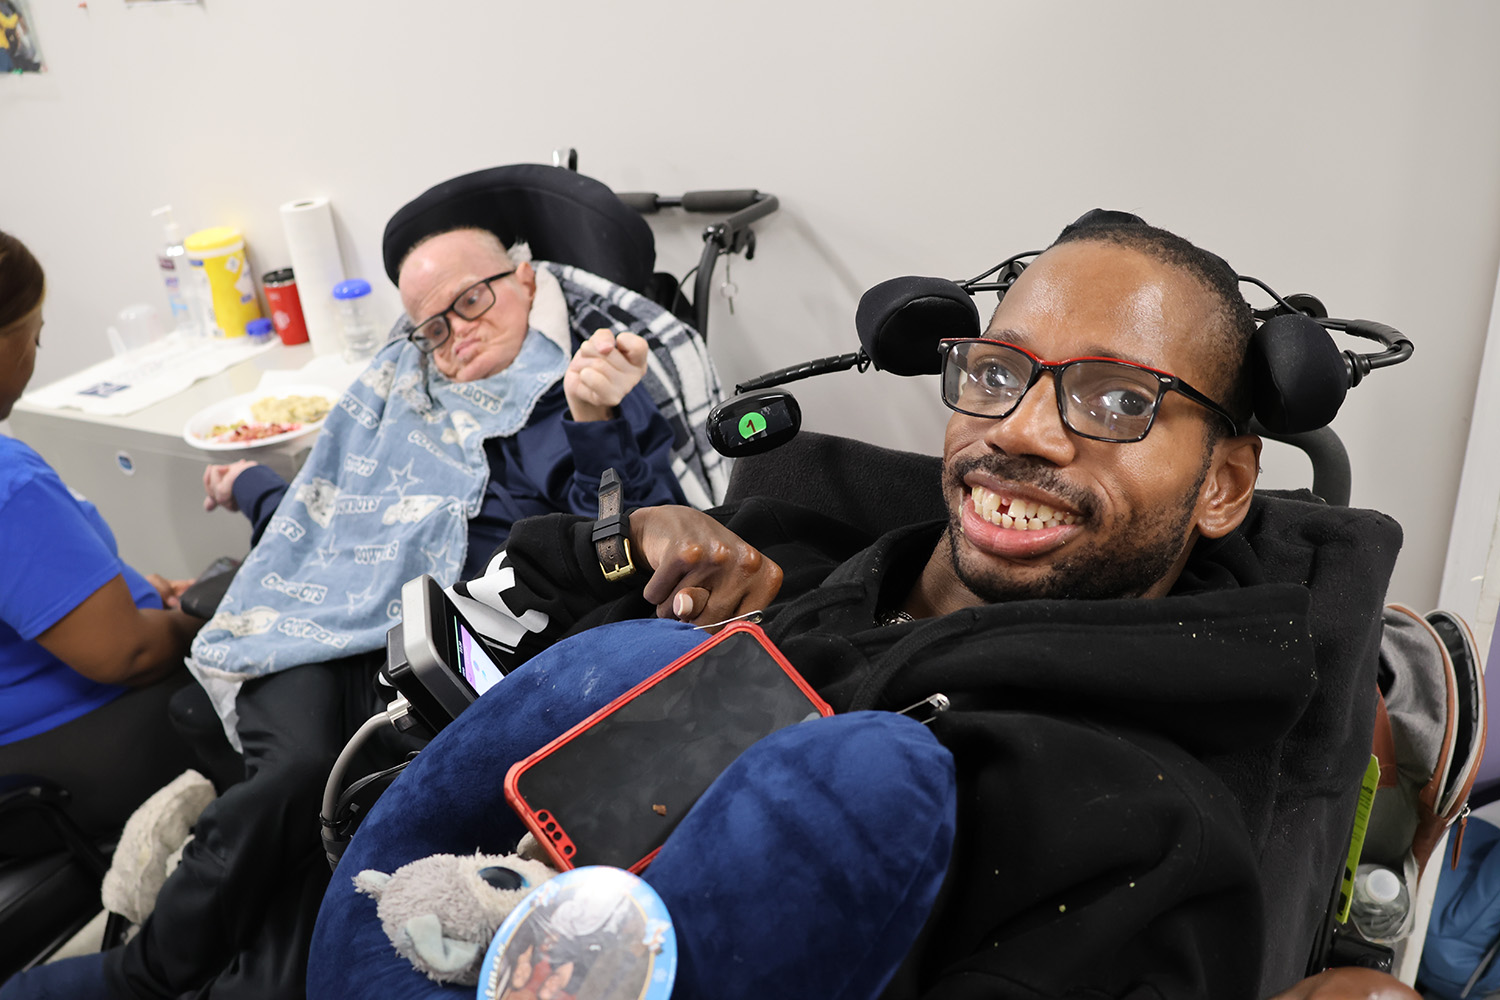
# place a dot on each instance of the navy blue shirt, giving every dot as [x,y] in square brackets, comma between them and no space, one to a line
[552,464]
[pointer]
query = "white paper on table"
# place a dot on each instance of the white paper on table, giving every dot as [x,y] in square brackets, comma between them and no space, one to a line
[324,369]
[147,375]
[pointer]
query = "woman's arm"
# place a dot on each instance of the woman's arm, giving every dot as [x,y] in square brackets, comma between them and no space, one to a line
[109,640]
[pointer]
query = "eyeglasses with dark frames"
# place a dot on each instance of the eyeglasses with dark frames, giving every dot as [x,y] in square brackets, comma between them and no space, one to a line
[471,303]
[1103,399]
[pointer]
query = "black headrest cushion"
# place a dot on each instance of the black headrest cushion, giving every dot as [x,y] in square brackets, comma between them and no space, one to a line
[565,217]
[901,320]
[1297,375]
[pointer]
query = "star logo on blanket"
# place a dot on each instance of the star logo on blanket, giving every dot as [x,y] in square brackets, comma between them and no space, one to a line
[441,558]
[359,598]
[402,479]
[323,556]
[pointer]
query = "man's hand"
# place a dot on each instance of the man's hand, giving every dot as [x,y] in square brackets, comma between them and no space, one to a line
[1350,984]
[703,572]
[605,368]
[170,590]
[218,484]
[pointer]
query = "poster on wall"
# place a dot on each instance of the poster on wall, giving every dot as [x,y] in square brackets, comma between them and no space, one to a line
[18,48]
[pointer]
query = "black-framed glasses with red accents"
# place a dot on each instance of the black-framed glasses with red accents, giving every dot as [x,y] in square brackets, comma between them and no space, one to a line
[471,303]
[1104,399]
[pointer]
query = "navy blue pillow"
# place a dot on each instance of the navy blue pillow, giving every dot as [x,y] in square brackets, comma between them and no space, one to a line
[807,869]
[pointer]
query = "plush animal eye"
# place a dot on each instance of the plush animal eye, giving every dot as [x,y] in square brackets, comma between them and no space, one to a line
[503,878]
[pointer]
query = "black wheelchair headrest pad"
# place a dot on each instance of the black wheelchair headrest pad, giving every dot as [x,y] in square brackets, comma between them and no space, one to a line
[901,320]
[564,216]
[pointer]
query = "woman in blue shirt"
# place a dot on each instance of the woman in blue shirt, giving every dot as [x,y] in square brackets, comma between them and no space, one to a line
[89,653]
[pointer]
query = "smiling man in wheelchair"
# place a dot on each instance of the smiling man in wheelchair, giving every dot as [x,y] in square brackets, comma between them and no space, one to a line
[1161,684]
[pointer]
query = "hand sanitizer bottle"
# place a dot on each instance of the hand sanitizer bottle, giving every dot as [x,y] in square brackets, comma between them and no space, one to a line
[172,261]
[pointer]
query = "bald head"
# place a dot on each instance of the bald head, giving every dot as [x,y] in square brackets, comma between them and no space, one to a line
[468,271]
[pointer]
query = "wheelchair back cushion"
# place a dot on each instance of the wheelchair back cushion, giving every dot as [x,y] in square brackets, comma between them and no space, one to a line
[806,870]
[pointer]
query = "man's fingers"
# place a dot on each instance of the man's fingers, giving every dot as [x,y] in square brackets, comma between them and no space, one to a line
[634,348]
[602,388]
[685,605]
[687,564]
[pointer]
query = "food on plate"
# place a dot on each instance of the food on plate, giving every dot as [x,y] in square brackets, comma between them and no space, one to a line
[290,409]
[247,430]
[271,416]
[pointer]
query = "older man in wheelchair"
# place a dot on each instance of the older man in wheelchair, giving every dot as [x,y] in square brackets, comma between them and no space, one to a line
[514,388]
[1160,685]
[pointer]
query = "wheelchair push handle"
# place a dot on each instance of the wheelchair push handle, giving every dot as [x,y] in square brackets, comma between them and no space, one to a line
[713,202]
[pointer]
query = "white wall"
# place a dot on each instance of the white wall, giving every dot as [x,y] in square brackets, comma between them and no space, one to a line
[1349,149]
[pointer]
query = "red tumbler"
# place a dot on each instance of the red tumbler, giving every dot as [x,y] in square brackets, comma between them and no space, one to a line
[286,307]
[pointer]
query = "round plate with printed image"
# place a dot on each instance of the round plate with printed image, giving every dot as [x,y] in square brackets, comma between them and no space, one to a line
[261,418]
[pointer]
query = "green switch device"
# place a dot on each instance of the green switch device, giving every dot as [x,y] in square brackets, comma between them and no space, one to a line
[754,422]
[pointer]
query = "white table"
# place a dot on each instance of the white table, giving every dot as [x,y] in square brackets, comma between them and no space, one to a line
[147,481]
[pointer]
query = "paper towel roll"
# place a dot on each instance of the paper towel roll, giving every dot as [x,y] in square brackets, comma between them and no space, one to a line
[317,267]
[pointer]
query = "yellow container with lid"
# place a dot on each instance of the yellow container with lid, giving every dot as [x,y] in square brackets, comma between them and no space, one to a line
[216,259]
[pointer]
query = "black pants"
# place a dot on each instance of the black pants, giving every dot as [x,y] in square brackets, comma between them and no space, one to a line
[110,761]
[235,919]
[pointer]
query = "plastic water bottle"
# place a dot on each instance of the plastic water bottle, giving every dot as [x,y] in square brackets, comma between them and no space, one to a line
[361,336]
[1380,904]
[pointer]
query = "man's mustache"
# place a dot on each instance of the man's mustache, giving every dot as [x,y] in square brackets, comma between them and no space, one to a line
[1025,472]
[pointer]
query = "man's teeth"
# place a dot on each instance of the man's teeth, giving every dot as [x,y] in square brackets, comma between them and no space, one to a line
[1020,515]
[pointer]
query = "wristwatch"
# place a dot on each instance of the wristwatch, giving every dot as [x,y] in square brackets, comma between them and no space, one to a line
[612,530]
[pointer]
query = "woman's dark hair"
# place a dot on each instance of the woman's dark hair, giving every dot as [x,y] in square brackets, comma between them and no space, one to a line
[22,283]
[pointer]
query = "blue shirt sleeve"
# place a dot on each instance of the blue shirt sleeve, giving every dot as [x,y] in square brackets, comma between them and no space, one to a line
[553,465]
[258,491]
[55,557]
[637,445]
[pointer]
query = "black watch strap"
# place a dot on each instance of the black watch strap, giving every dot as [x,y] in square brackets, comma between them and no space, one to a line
[612,530]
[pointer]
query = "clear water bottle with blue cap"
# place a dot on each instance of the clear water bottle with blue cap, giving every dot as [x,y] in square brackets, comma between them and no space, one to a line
[361,335]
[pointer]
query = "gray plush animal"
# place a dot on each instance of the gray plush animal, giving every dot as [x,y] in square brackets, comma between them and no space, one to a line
[441,911]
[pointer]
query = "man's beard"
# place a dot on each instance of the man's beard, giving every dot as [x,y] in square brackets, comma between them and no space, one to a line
[1138,553]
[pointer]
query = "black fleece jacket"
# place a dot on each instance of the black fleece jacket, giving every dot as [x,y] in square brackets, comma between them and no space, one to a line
[1154,795]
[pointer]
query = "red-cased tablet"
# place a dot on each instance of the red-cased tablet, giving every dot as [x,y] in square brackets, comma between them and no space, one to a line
[609,790]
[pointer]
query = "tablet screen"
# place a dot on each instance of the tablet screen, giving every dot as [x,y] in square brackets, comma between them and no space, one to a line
[617,785]
[476,666]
